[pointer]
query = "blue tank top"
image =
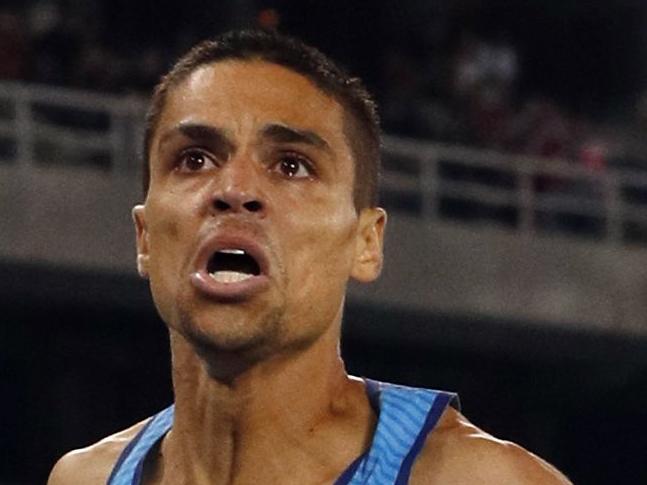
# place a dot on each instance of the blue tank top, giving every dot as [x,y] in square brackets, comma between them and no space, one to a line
[406,415]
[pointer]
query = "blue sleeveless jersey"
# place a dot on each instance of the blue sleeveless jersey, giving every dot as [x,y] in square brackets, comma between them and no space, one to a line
[406,415]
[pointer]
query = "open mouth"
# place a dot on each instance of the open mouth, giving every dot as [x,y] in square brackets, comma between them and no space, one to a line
[232,265]
[231,268]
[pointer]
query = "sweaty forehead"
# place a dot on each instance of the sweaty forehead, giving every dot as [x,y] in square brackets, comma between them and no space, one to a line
[237,93]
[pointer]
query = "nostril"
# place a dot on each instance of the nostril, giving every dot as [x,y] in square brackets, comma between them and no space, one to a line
[253,206]
[235,203]
[221,205]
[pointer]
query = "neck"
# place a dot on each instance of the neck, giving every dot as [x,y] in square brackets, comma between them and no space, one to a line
[273,418]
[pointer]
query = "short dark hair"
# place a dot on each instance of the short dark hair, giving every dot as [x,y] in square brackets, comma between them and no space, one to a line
[361,122]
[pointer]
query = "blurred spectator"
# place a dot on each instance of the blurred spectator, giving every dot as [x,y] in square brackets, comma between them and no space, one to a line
[55,45]
[541,128]
[409,105]
[630,143]
[402,94]
[99,68]
[594,154]
[268,19]
[13,46]
[148,68]
[478,63]
[483,77]
[489,114]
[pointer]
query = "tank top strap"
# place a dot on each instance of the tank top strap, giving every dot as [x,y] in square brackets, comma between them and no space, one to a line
[406,417]
[130,465]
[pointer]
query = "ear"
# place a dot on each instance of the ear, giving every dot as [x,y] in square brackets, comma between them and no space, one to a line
[141,238]
[369,245]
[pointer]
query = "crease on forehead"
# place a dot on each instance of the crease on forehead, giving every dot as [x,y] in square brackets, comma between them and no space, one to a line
[278,132]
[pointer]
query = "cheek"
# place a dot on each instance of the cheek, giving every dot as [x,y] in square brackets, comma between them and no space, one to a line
[169,214]
[165,237]
[166,264]
[320,260]
[165,232]
[324,248]
[167,229]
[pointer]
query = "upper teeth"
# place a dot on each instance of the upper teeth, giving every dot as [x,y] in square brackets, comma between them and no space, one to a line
[232,251]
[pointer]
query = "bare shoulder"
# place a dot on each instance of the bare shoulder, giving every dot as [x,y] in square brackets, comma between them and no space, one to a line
[458,452]
[92,465]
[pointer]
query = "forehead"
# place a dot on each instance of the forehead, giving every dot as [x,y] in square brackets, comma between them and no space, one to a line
[241,94]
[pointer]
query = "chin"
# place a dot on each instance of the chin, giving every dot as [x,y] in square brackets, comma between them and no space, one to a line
[228,349]
[231,330]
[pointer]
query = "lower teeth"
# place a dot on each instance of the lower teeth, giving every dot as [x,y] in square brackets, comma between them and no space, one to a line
[229,276]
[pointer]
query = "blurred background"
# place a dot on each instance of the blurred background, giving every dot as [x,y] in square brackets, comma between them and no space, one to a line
[515,175]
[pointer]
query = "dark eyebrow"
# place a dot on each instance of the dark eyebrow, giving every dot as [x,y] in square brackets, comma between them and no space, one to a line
[201,133]
[287,134]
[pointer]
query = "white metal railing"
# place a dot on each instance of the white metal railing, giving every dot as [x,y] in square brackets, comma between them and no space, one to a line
[63,127]
[59,126]
[528,195]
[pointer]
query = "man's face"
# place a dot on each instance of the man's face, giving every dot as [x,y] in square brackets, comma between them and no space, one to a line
[249,233]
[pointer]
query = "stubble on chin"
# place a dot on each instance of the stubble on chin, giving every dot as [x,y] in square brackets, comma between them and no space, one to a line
[233,333]
[243,342]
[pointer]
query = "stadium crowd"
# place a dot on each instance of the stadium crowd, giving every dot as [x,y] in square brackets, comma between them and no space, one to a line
[461,87]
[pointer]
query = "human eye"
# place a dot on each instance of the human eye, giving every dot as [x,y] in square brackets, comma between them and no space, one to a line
[294,166]
[194,160]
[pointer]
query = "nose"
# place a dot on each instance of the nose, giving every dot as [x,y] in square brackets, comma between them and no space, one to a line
[237,190]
